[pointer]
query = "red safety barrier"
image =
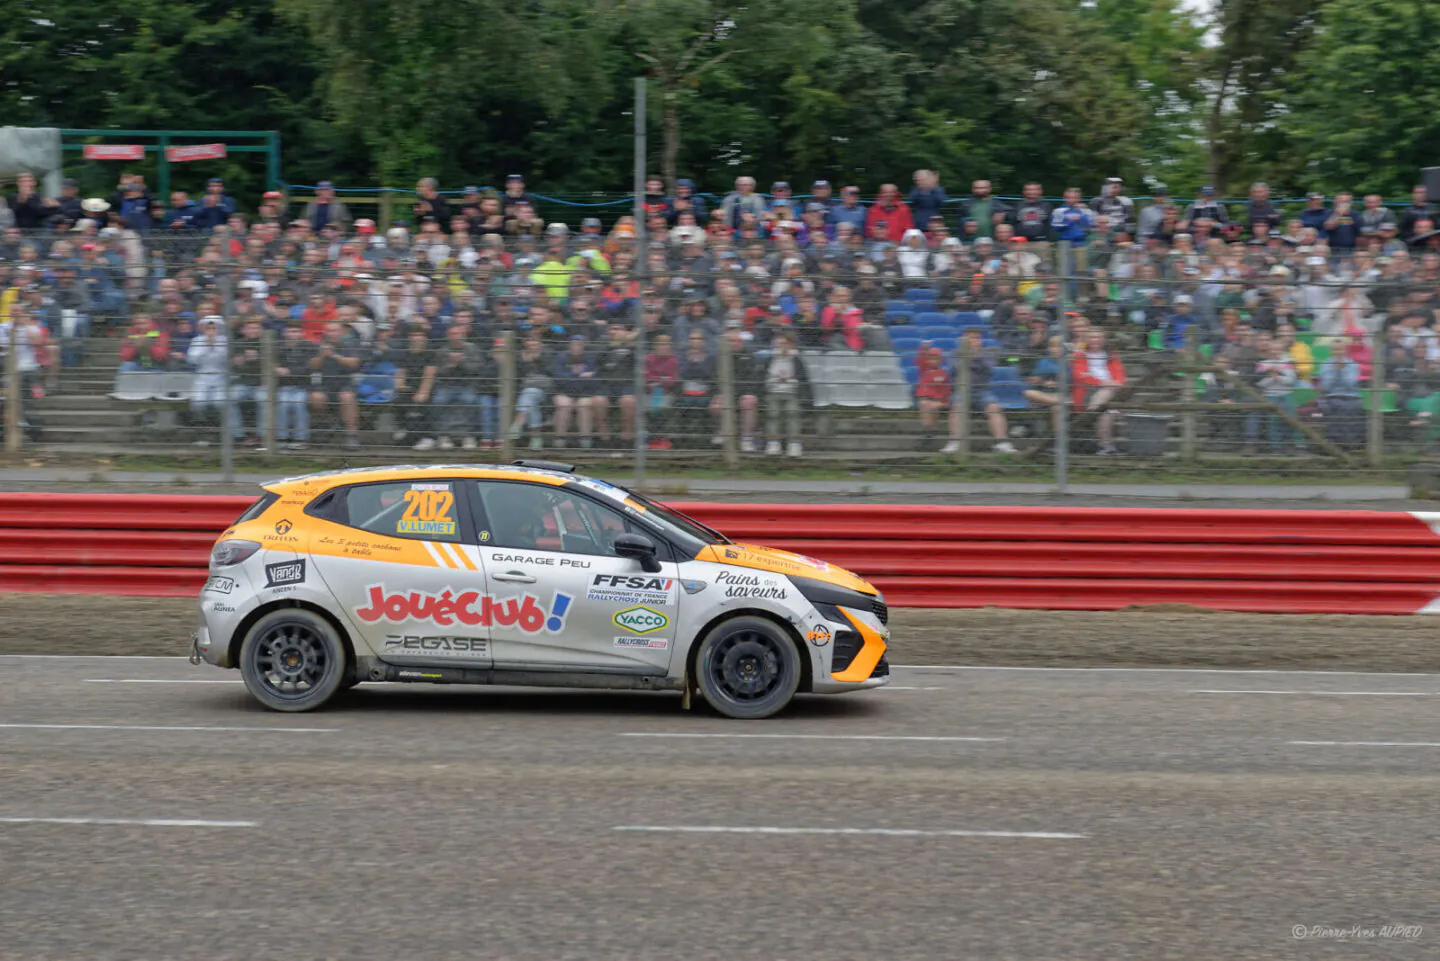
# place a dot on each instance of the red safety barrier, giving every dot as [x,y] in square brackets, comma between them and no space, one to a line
[1067,558]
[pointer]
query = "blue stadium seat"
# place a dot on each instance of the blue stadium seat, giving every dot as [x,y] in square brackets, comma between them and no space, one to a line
[899,307]
[931,318]
[1009,392]
[920,295]
[938,333]
[904,330]
[968,318]
[905,346]
[912,373]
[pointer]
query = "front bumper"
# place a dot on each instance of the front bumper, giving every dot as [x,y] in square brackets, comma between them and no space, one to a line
[857,654]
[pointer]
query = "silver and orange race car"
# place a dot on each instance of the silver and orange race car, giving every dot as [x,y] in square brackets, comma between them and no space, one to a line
[527,574]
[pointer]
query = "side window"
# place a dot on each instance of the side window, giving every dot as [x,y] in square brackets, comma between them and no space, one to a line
[423,510]
[539,517]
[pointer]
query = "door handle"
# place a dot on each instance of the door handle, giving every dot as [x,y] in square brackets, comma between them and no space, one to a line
[514,577]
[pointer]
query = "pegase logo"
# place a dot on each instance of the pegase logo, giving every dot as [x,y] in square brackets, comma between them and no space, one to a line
[642,620]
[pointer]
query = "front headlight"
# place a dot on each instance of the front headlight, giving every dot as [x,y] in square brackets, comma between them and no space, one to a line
[824,595]
[226,553]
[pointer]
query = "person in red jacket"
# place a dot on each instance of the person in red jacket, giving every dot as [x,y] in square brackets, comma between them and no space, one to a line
[1097,375]
[146,347]
[932,386]
[890,208]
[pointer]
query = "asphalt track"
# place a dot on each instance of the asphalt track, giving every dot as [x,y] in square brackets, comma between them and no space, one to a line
[960,813]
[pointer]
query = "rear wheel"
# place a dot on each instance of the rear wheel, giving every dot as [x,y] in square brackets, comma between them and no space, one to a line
[293,660]
[747,668]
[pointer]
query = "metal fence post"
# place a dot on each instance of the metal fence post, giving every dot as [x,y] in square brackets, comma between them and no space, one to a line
[1062,377]
[227,311]
[507,396]
[12,391]
[964,377]
[1375,427]
[725,367]
[641,441]
[1188,426]
[272,392]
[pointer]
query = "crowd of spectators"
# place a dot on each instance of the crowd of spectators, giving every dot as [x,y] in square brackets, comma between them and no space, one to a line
[413,315]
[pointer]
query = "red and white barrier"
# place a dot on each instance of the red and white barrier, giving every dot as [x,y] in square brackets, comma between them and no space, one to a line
[1056,558]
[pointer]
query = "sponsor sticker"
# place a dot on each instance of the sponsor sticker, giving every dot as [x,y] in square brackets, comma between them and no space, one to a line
[429,510]
[285,572]
[436,644]
[216,584]
[819,635]
[642,620]
[752,585]
[283,526]
[648,643]
[220,607]
[471,608]
[630,589]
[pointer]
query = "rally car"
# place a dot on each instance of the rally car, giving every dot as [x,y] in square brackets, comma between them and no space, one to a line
[527,574]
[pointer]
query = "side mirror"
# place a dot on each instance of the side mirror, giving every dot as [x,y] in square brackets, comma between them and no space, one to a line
[640,548]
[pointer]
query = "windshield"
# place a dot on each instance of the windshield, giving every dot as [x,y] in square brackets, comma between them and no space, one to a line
[684,522]
[690,534]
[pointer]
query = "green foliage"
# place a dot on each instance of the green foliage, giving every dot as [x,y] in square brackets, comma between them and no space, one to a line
[159,64]
[1365,107]
[1302,93]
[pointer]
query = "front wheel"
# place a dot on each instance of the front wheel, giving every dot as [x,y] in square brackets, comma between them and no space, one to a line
[747,668]
[293,660]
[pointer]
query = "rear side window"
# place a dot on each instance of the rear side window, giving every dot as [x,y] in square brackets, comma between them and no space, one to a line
[420,510]
[257,508]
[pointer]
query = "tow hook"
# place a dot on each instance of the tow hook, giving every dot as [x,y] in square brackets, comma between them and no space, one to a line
[195,657]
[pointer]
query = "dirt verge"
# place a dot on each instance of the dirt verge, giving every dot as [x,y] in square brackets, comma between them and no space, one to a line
[1151,637]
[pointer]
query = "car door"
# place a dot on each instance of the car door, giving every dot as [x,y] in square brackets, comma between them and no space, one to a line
[548,550]
[400,559]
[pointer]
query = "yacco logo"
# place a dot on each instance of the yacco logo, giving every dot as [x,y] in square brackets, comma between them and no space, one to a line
[641,620]
[466,607]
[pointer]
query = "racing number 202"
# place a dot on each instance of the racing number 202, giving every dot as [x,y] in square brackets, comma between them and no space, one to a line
[427,512]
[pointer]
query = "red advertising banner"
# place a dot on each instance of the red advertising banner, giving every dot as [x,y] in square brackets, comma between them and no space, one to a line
[198,151]
[114,151]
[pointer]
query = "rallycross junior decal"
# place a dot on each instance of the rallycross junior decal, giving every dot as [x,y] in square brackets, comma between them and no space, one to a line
[470,608]
[630,589]
[648,643]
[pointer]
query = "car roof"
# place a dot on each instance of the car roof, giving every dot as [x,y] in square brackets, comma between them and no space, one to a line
[324,480]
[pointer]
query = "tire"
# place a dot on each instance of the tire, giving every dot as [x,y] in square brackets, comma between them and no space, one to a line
[747,668]
[293,660]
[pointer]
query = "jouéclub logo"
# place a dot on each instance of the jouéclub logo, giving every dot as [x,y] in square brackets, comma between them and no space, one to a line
[470,608]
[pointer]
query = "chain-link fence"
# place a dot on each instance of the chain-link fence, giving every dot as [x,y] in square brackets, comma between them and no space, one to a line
[731,356]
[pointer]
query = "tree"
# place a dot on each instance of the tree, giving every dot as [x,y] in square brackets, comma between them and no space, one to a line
[1246,84]
[158,64]
[1365,107]
[1162,59]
